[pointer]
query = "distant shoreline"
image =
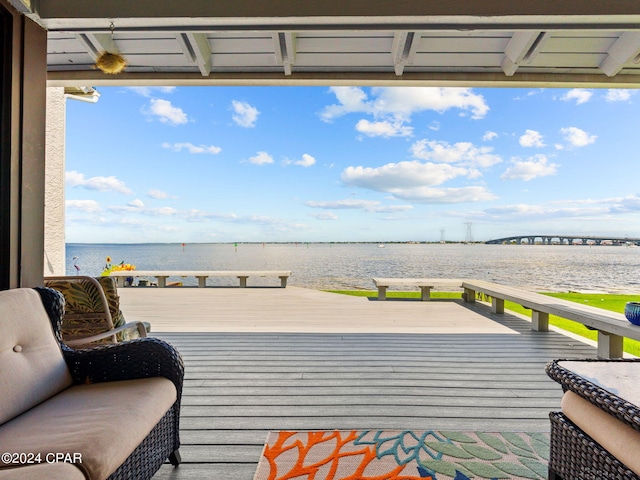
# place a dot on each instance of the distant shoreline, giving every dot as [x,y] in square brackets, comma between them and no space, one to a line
[392,242]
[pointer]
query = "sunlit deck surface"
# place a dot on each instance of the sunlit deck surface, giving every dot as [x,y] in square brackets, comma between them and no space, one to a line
[261,359]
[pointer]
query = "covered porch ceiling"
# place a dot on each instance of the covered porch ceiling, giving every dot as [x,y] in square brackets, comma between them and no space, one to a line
[292,42]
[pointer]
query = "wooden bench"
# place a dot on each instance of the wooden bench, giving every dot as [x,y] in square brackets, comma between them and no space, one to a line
[202,276]
[425,284]
[612,327]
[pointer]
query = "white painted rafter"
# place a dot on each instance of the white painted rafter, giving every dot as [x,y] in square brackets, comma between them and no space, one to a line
[96,43]
[626,49]
[521,49]
[403,49]
[196,48]
[284,45]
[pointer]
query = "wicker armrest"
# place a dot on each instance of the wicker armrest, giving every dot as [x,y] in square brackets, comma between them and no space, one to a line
[139,358]
[140,327]
[616,406]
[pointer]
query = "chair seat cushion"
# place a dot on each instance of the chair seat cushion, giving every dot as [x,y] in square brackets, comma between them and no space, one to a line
[103,422]
[45,470]
[616,437]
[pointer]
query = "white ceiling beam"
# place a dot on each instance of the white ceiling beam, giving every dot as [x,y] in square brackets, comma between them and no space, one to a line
[521,49]
[624,50]
[403,50]
[197,49]
[487,11]
[285,49]
[96,43]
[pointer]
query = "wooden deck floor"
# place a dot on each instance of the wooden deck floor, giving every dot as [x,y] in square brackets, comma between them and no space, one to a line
[239,385]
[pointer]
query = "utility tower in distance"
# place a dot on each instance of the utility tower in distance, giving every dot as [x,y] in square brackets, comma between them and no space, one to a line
[442,236]
[469,236]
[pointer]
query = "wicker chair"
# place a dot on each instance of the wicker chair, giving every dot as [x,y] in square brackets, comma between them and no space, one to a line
[92,311]
[573,453]
[135,359]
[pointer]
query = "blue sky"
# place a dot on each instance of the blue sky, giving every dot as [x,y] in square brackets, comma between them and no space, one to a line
[305,164]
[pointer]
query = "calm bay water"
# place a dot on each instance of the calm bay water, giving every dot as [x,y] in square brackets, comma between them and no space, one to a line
[352,266]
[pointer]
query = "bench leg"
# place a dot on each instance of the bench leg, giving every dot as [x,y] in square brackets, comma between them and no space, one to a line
[497,305]
[243,282]
[539,321]
[609,345]
[425,295]
[469,295]
[283,282]
[202,282]
[162,282]
[382,293]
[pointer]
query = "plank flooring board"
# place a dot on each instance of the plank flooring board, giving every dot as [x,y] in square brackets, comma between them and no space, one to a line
[452,384]
[189,403]
[241,385]
[215,394]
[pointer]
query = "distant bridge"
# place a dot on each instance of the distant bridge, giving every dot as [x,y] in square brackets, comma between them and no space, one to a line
[566,240]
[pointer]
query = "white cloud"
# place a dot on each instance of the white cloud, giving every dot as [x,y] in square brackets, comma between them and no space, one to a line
[531,138]
[402,102]
[618,95]
[400,175]
[577,137]
[261,158]
[87,206]
[352,204]
[445,195]
[137,203]
[535,167]
[101,184]
[324,215]
[347,204]
[158,194]
[149,91]
[489,135]
[306,161]
[463,153]
[245,115]
[191,148]
[166,112]
[580,95]
[153,212]
[351,100]
[384,129]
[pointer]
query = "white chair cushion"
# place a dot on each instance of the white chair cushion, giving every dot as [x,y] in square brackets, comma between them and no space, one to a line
[616,437]
[32,367]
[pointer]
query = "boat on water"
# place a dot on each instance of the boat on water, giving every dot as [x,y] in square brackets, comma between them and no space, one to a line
[381,245]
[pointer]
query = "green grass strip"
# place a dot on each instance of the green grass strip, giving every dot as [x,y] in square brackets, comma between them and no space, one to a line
[612,302]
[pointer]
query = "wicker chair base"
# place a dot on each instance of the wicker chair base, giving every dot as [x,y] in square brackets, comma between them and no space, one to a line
[149,456]
[575,455]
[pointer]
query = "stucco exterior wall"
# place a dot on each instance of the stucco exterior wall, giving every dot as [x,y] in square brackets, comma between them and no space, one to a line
[54,237]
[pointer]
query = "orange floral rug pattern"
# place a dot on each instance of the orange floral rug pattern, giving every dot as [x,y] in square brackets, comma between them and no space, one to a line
[403,455]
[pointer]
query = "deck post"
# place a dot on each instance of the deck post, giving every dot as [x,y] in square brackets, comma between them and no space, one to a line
[610,345]
[382,293]
[539,321]
[243,282]
[162,281]
[497,305]
[469,295]
[202,281]
[283,282]
[425,294]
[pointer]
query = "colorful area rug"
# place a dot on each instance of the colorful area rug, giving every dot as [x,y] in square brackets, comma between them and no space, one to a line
[403,455]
